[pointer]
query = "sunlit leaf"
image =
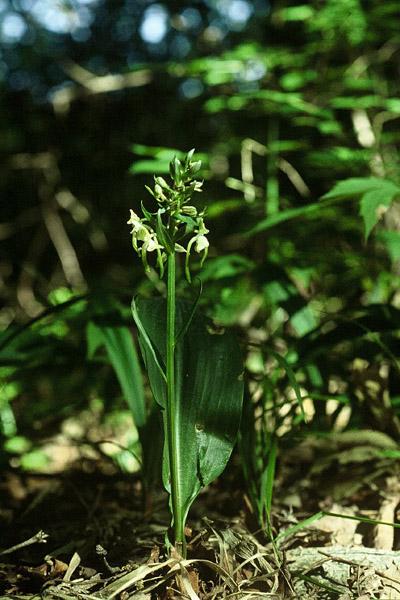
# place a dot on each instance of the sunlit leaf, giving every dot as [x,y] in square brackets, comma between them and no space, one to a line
[373,205]
[356,186]
[376,197]
[303,321]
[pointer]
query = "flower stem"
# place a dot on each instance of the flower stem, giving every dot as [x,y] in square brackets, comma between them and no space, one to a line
[173,415]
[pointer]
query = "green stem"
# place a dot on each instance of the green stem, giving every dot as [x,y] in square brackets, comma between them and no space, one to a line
[172,415]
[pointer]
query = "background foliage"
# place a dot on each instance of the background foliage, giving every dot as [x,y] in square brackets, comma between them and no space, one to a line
[294,110]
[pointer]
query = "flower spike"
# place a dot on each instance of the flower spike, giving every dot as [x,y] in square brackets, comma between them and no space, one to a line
[163,231]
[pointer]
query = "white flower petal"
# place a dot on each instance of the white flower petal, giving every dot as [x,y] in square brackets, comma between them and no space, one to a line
[134,218]
[152,244]
[142,233]
[201,243]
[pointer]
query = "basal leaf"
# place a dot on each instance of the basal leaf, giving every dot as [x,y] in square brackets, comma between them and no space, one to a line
[209,390]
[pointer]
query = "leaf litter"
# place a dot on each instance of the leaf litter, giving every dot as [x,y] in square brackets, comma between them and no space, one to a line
[327,544]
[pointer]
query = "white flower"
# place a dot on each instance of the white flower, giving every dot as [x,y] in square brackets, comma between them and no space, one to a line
[135,221]
[142,234]
[158,192]
[191,211]
[151,243]
[134,218]
[201,243]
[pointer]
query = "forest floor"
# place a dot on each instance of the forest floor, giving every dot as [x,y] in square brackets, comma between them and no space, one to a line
[82,533]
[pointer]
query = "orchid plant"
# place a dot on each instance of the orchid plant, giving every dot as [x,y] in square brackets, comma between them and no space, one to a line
[195,376]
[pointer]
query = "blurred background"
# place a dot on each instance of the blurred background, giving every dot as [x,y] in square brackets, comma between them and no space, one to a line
[281,100]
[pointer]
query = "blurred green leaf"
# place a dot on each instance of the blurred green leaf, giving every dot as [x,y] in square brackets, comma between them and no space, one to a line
[360,185]
[121,351]
[149,166]
[229,265]
[303,321]
[17,444]
[376,196]
[356,102]
[391,241]
[296,13]
[373,205]
[35,460]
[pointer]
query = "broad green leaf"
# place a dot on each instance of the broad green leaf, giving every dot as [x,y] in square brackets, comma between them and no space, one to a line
[209,390]
[193,310]
[355,186]
[229,265]
[123,357]
[152,441]
[146,340]
[373,205]
[376,197]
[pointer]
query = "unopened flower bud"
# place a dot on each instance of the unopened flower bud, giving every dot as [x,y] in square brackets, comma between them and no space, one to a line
[195,166]
[191,211]
[134,218]
[142,234]
[159,194]
[161,182]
